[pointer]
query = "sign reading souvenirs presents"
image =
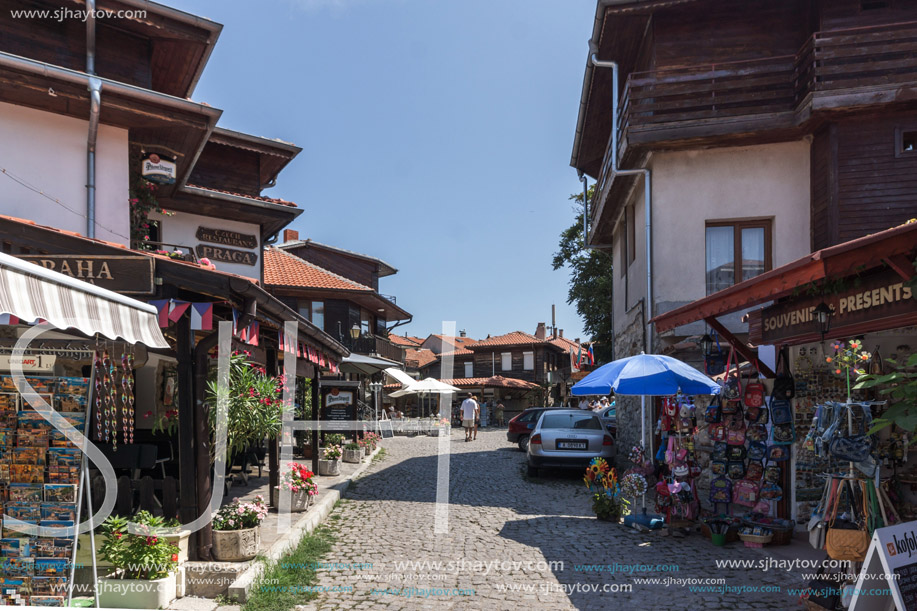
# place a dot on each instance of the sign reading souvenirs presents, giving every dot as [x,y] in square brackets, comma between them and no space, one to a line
[228,255]
[156,169]
[873,298]
[132,275]
[226,237]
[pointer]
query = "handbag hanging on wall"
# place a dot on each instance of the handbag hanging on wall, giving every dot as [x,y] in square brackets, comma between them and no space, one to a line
[784,384]
[850,543]
[754,394]
[732,384]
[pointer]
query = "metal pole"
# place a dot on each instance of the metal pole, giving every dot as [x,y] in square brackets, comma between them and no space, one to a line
[84,482]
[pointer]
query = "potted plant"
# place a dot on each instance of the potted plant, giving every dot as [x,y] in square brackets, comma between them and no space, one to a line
[370,441]
[144,576]
[237,530]
[298,480]
[607,498]
[330,463]
[353,453]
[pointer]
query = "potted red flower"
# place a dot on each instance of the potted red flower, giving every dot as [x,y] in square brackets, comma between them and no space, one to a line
[298,480]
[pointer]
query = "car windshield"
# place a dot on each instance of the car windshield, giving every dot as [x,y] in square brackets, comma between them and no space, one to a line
[570,421]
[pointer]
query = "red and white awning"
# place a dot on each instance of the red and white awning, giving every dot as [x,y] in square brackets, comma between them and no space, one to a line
[31,292]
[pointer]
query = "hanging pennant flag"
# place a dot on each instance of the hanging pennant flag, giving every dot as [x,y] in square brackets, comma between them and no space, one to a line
[201,316]
[162,311]
[235,321]
[8,319]
[591,355]
[253,332]
[280,338]
[177,309]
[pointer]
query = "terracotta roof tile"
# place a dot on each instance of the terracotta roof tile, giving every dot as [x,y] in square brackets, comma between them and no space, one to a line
[283,269]
[418,358]
[259,198]
[402,340]
[458,352]
[565,344]
[509,339]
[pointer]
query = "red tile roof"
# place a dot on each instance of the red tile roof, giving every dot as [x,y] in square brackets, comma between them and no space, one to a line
[283,269]
[402,340]
[455,340]
[492,382]
[565,344]
[418,358]
[459,352]
[259,198]
[510,339]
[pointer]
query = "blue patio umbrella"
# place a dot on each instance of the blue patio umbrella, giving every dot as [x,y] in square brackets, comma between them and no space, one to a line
[646,374]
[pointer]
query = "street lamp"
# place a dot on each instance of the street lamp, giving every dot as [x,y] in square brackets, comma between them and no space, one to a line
[355,331]
[376,388]
[823,315]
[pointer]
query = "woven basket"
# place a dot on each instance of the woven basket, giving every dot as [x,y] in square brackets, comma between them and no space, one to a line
[756,540]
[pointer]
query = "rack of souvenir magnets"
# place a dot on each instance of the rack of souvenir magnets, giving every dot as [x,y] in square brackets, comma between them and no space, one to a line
[40,479]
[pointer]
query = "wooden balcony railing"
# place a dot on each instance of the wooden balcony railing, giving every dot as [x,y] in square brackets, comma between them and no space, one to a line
[376,346]
[832,69]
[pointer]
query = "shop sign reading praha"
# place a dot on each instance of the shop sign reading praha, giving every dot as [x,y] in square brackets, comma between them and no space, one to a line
[877,297]
[119,274]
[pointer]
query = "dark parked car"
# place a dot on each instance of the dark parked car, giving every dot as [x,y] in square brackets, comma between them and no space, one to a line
[520,427]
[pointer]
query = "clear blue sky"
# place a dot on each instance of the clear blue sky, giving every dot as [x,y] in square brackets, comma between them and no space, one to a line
[436,136]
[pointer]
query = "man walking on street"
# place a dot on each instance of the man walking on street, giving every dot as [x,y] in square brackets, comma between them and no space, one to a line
[469,412]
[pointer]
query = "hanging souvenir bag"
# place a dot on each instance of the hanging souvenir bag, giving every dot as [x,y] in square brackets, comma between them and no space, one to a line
[754,471]
[680,469]
[757,450]
[817,525]
[735,469]
[756,432]
[735,421]
[783,434]
[719,451]
[663,496]
[778,453]
[718,467]
[715,362]
[847,541]
[670,451]
[717,432]
[784,385]
[721,490]
[731,407]
[714,412]
[781,411]
[771,492]
[754,392]
[732,383]
[735,437]
[745,493]
[854,448]
[772,474]
[736,453]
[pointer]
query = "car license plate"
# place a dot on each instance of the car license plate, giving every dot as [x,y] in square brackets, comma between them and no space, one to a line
[572,445]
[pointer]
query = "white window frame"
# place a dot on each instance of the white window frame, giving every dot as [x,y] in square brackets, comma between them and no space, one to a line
[528,361]
[506,361]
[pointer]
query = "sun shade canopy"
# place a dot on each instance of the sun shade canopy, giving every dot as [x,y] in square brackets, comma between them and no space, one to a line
[30,292]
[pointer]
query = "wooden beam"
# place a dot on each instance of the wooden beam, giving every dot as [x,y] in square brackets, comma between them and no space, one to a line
[901,265]
[741,347]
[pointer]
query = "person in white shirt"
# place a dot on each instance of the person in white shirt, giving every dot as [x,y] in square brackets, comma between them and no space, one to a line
[583,403]
[469,412]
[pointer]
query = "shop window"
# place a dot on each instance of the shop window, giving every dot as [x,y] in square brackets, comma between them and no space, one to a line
[469,370]
[745,242]
[528,361]
[506,361]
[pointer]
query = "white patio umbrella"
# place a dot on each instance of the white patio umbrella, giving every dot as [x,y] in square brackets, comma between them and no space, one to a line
[425,386]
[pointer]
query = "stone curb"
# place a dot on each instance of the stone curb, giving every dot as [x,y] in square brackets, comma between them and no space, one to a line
[240,588]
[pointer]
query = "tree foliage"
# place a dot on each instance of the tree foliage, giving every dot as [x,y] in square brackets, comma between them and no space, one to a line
[590,283]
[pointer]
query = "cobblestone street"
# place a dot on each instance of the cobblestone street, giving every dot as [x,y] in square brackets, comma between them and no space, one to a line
[513,543]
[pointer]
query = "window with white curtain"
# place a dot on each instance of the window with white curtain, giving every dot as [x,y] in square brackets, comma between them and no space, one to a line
[506,361]
[745,242]
[528,361]
[469,370]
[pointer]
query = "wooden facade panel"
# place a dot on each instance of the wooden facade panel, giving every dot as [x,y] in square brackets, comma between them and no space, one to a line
[751,29]
[819,181]
[877,185]
[841,14]
[228,168]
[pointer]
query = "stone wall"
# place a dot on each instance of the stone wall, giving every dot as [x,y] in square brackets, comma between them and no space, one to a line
[629,340]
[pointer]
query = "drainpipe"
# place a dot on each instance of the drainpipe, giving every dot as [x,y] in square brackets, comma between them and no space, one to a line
[95,105]
[612,166]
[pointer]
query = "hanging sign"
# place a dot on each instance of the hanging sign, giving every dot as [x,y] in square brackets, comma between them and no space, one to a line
[890,571]
[228,255]
[874,298]
[226,237]
[339,404]
[120,274]
[33,362]
[156,169]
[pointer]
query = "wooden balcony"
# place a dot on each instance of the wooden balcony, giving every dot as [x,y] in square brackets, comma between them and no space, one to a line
[374,345]
[765,99]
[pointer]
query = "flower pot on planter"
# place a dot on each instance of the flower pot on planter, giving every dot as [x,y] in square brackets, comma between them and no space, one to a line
[301,501]
[236,545]
[307,451]
[137,593]
[353,455]
[329,467]
[180,540]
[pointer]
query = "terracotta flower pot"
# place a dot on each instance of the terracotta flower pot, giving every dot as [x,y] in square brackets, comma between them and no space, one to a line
[236,545]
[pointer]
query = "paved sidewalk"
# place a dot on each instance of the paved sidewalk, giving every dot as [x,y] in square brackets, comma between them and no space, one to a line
[515,543]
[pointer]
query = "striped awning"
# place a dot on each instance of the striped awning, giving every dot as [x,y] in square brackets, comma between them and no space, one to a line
[31,292]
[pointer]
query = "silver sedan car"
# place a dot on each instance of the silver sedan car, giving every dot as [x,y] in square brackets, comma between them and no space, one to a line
[568,438]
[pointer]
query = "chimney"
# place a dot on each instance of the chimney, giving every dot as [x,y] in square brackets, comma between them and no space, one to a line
[576,340]
[540,331]
[290,235]
[561,332]
[462,333]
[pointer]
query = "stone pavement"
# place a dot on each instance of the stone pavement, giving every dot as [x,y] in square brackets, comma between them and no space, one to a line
[515,543]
